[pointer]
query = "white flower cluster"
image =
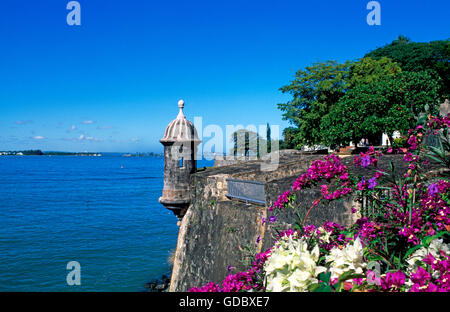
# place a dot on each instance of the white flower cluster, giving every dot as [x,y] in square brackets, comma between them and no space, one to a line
[323,235]
[435,248]
[291,266]
[348,258]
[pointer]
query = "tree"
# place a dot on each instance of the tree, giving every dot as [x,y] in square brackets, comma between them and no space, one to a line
[314,90]
[419,56]
[379,93]
[369,70]
[268,138]
[318,88]
[368,110]
[289,135]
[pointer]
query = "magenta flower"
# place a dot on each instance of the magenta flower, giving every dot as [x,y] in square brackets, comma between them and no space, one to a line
[396,279]
[412,140]
[281,201]
[324,190]
[344,176]
[408,157]
[365,161]
[433,189]
[420,277]
[362,184]
[374,161]
[372,183]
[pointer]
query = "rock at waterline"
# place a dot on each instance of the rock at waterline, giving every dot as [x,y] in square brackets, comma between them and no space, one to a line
[159,285]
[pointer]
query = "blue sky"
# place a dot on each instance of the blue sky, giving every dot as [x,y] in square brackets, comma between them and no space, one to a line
[112,84]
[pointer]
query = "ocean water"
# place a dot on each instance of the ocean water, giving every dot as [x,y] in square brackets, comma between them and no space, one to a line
[100,211]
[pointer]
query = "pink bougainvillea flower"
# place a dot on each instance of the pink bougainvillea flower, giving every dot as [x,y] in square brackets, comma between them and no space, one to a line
[396,279]
[408,157]
[420,277]
[362,185]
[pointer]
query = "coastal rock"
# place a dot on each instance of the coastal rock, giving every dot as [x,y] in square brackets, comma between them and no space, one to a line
[158,285]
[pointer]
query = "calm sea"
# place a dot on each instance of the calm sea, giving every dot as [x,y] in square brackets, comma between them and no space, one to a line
[100,211]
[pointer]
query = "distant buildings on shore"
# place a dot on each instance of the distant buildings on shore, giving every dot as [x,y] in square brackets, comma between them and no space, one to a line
[40,153]
[11,154]
[151,154]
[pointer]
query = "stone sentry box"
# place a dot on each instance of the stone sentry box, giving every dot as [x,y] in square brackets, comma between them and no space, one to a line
[180,142]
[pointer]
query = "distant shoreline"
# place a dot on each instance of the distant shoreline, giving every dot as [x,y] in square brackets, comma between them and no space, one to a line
[90,154]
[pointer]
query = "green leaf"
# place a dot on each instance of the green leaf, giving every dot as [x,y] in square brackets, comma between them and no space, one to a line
[411,250]
[427,240]
[314,287]
[325,277]
[324,288]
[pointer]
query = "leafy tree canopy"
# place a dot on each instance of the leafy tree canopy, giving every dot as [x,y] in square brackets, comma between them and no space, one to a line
[369,70]
[392,103]
[419,56]
[315,90]
[378,93]
[318,88]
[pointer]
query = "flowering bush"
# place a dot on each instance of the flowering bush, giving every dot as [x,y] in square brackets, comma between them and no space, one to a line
[291,266]
[400,243]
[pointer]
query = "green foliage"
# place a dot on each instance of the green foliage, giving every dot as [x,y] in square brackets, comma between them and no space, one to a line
[392,82]
[368,110]
[369,70]
[400,142]
[440,154]
[323,285]
[315,90]
[419,56]
[289,138]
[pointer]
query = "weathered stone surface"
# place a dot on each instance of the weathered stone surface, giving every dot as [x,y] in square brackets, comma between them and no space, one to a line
[211,237]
